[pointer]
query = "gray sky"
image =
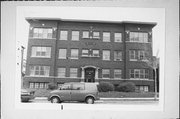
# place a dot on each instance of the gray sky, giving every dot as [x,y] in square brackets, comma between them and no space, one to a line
[94,13]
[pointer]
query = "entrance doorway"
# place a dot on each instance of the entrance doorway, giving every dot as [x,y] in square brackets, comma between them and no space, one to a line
[90,74]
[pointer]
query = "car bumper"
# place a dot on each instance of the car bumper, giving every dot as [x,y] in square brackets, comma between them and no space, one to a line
[27,97]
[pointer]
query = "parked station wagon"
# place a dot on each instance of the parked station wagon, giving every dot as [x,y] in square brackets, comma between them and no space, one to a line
[85,92]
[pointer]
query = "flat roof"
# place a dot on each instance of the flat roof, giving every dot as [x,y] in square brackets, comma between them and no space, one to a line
[90,21]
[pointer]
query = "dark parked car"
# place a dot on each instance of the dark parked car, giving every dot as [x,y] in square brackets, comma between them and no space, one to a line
[26,95]
[86,92]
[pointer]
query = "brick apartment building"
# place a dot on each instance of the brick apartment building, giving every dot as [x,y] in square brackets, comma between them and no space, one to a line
[64,50]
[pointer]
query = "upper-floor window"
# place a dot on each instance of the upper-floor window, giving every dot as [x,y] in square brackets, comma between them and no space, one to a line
[139,37]
[95,53]
[105,73]
[117,73]
[106,36]
[85,52]
[61,72]
[75,35]
[73,72]
[62,53]
[85,34]
[43,52]
[117,37]
[63,35]
[137,55]
[106,54]
[74,53]
[139,73]
[117,56]
[96,34]
[42,33]
[39,70]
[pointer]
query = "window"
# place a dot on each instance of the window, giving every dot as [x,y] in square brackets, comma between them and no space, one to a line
[117,73]
[106,55]
[74,53]
[63,35]
[95,34]
[139,73]
[139,37]
[39,70]
[142,88]
[117,37]
[62,53]
[38,85]
[132,55]
[61,72]
[105,73]
[73,72]
[85,34]
[95,53]
[66,87]
[117,56]
[75,35]
[43,52]
[85,52]
[137,55]
[106,37]
[42,33]
[77,86]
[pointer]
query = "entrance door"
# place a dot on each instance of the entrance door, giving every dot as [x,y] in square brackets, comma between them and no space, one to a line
[89,75]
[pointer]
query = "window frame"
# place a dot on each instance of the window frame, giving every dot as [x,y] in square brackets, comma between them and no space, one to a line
[72,38]
[115,73]
[60,55]
[70,72]
[62,36]
[46,70]
[118,58]
[59,72]
[103,55]
[134,36]
[105,37]
[72,56]
[35,50]
[41,35]
[115,37]
[104,73]
[88,34]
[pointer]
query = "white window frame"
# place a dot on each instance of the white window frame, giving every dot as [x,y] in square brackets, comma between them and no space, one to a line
[73,72]
[106,37]
[61,72]
[75,36]
[133,54]
[62,53]
[95,53]
[76,51]
[106,55]
[96,34]
[141,37]
[116,53]
[117,37]
[41,50]
[85,52]
[63,35]
[85,34]
[106,72]
[31,85]
[143,74]
[46,70]
[44,33]
[117,72]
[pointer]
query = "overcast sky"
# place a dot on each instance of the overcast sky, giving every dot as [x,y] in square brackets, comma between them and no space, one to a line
[94,13]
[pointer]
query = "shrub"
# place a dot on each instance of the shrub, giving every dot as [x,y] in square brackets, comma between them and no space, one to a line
[126,87]
[52,86]
[105,87]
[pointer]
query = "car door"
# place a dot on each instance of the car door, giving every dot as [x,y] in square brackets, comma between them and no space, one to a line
[65,92]
[78,92]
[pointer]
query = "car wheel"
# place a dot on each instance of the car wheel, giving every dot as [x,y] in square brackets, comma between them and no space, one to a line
[55,100]
[90,100]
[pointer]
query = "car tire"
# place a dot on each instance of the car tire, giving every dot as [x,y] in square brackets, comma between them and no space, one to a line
[55,100]
[90,100]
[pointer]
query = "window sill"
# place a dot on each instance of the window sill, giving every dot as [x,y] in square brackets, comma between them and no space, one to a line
[90,56]
[42,38]
[39,57]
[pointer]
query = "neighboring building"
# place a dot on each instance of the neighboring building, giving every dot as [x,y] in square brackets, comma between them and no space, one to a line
[62,50]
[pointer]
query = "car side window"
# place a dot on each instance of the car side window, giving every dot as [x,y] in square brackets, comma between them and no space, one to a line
[66,87]
[78,87]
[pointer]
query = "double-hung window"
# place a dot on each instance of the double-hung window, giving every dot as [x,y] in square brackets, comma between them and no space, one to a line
[63,35]
[105,73]
[117,37]
[42,33]
[85,34]
[117,56]
[74,53]
[106,36]
[117,73]
[43,52]
[73,72]
[75,35]
[95,53]
[106,54]
[85,52]
[96,35]
[61,72]
[39,70]
[62,53]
